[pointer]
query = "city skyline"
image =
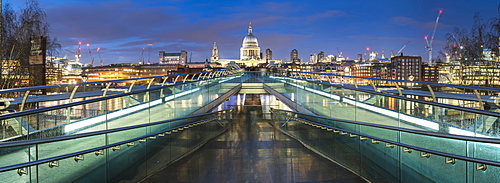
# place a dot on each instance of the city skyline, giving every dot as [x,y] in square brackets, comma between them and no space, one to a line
[122,28]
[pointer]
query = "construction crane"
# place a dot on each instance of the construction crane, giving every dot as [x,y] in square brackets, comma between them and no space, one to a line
[74,53]
[90,53]
[400,50]
[77,53]
[141,59]
[429,42]
[149,52]
[99,53]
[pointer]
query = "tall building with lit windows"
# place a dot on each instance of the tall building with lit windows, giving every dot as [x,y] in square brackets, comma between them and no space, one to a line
[407,68]
[178,58]
[269,54]
[294,56]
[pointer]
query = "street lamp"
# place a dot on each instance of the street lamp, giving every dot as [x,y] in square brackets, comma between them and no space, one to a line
[84,79]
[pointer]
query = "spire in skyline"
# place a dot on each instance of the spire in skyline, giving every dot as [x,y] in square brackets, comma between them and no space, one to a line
[250,28]
[215,53]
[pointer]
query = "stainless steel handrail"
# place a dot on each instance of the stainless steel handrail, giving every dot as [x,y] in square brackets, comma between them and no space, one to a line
[95,82]
[87,134]
[465,158]
[34,111]
[69,137]
[405,81]
[420,132]
[478,111]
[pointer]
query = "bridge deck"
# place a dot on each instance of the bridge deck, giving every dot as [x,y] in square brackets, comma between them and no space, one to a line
[253,151]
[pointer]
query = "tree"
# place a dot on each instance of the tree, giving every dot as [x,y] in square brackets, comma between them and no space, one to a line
[466,46]
[16,33]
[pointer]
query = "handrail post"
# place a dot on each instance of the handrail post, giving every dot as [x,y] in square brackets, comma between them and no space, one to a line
[21,108]
[478,96]
[432,93]
[175,81]
[106,90]
[161,90]
[146,98]
[131,86]
[150,82]
[373,85]
[68,110]
[185,78]
[399,89]
[164,80]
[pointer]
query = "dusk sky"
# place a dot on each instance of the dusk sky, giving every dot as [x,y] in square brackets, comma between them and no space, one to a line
[122,28]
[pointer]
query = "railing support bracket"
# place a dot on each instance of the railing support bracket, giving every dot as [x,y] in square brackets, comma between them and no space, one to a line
[78,158]
[22,171]
[53,164]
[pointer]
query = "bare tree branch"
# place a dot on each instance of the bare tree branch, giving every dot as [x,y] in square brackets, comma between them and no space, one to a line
[18,27]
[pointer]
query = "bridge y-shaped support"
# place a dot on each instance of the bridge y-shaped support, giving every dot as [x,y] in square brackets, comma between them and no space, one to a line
[287,101]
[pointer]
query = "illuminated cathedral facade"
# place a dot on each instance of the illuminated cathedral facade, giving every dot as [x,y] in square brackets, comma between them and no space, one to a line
[250,54]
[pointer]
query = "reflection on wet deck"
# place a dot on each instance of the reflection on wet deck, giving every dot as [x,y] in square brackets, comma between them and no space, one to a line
[253,151]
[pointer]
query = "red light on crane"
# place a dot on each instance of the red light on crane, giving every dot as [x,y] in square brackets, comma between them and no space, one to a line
[440,11]
[426,37]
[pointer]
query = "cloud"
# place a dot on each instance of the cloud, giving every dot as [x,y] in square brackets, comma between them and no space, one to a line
[106,21]
[367,37]
[122,31]
[405,21]
[323,15]
[276,8]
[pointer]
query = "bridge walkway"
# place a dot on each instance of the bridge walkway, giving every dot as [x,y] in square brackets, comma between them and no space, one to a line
[254,151]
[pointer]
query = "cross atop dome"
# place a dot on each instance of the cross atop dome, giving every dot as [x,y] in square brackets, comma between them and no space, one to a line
[250,28]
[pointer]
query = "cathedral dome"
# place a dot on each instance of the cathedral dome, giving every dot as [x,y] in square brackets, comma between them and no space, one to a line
[250,41]
[250,48]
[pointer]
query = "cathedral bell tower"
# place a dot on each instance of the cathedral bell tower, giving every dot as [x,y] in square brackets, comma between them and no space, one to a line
[215,53]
